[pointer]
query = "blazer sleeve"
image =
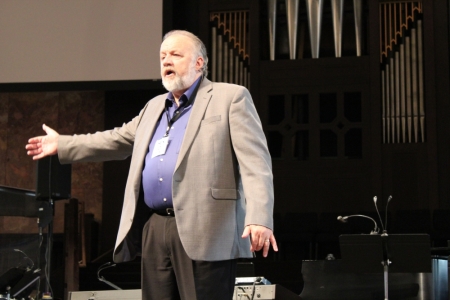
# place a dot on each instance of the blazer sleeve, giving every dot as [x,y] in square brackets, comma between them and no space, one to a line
[255,165]
[112,144]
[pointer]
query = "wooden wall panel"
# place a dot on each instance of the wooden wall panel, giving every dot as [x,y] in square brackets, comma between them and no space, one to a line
[21,117]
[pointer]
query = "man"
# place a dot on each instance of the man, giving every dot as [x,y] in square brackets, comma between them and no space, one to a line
[194,152]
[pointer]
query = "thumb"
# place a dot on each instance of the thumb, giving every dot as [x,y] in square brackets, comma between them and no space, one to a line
[247,232]
[48,130]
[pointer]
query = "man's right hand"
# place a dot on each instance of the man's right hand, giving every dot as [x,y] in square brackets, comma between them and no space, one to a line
[42,146]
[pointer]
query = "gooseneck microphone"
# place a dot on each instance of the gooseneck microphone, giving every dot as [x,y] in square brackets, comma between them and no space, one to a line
[378,212]
[386,214]
[344,219]
[384,226]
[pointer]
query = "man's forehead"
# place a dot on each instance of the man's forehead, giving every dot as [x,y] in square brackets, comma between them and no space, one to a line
[179,42]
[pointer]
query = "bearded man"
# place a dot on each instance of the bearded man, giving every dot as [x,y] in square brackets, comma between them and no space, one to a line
[195,150]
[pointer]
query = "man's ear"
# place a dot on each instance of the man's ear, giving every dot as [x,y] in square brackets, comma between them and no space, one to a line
[199,64]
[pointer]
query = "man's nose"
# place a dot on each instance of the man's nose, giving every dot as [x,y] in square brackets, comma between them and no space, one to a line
[167,61]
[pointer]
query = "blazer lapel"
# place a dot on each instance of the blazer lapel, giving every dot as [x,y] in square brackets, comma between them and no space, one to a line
[198,110]
[147,127]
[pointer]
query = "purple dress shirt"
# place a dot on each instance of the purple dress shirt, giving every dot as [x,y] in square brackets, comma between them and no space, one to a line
[158,171]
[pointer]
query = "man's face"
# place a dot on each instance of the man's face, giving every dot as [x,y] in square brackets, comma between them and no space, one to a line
[179,64]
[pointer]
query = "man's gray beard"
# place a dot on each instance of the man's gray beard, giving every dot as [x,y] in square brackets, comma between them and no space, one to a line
[176,84]
[179,83]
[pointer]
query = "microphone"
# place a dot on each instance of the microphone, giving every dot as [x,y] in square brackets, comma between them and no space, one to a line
[386,213]
[386,217]
[344,219]
[378,212]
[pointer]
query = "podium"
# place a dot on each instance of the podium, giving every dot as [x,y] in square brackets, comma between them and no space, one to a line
[395,253]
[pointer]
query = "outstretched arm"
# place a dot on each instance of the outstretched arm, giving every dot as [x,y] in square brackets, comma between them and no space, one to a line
[45,145]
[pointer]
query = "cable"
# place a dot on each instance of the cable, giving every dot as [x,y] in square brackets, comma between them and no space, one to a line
[102,279]
[257,280]
[26,257]
[244,293]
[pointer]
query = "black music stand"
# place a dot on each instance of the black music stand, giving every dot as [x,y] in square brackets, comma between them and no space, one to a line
[395,253]
[53,182]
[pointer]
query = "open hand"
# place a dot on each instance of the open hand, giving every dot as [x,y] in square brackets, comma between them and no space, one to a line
[42,146]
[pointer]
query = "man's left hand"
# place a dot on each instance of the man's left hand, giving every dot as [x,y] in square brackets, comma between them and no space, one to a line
[260,238]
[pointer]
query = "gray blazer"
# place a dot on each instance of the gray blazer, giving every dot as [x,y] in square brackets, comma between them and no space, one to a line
[223,153]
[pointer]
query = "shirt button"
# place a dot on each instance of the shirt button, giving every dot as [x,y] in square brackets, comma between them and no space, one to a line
[165,199]
[161,159]
[160,179]
[173,127]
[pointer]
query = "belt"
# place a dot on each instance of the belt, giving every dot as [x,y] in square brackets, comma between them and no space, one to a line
[165,212]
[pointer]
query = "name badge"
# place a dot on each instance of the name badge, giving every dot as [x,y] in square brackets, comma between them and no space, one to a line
[160,146]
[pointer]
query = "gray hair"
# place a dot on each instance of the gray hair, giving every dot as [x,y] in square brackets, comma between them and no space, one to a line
[200,47]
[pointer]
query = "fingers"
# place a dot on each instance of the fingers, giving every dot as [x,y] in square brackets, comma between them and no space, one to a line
[35,140]
[39,156]
[273,242]
[34,146]
[267,242]
[266,247]
[260,238]
[246,232]
[42,146]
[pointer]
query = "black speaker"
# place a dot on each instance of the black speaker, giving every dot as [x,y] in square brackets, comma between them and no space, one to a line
[53,180]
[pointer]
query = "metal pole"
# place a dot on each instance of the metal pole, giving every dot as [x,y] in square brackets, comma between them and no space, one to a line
[292,18]
[357,10]
[337,7]
[314,8]
[272,5]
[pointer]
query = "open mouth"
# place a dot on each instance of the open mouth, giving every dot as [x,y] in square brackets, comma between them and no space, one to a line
[169,73]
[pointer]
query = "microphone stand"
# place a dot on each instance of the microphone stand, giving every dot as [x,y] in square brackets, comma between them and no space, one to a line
[48,288]
[386,262]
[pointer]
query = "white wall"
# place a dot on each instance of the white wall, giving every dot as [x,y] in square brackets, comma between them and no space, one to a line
[79,40]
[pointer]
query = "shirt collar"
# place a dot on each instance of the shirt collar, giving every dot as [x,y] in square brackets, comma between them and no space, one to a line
[185,97]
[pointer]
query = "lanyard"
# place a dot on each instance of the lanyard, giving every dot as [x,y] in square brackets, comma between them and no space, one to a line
[179,111]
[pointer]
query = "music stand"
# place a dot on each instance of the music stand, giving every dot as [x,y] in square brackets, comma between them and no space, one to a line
[395,253]
[10,278]
[53,182]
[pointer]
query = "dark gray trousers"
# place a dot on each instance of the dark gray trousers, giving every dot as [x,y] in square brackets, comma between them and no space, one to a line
[169,274]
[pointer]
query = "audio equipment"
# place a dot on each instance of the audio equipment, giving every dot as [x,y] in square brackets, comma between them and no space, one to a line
[263,292]
[251,280]
[106,295]
[241,292]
